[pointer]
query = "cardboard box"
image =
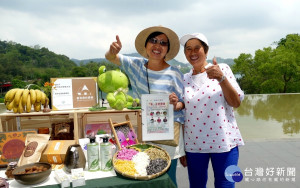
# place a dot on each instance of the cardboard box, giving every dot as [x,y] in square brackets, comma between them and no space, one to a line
[56,150]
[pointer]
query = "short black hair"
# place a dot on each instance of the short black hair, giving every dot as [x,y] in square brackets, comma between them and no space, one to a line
[153,35]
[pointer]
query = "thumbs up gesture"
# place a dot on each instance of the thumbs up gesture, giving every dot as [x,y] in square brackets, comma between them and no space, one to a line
[115,46]
[215,61]
[214,71]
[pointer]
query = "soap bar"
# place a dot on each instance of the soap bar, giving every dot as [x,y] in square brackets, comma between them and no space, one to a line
[78,178]
[62,178]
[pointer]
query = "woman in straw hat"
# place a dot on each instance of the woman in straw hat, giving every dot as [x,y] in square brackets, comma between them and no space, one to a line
[211,132]
[151,74]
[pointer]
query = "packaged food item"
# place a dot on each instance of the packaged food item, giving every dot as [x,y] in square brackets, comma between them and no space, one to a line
[3,183]
[77,177]
[62,178]
[12,145]
[34,146]
[62,130]
[55,151]
[10,167]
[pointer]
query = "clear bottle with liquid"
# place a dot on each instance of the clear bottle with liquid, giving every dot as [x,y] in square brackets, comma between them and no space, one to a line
[106,155]
[93,155]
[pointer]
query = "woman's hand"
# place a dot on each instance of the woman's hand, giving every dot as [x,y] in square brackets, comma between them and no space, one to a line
[230,94]
[214,71]
[183,161]
[173,99]
[116,46]
[114,49]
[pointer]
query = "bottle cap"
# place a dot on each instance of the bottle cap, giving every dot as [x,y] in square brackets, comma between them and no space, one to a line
[14,163]
[105,139]
[92,139]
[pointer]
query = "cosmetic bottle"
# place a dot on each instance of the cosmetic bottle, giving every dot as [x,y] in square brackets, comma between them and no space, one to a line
[93,155]
[106,155]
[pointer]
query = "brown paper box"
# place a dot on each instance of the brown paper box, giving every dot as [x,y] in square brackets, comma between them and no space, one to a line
[55,151]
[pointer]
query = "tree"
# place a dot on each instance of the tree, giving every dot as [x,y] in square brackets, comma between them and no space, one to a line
[287,54]
[18,83]
[244,65]
[32,63]
[79,72]
[271,70]
[92,68]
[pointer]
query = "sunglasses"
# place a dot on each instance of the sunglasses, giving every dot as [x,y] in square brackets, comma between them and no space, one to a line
[161,42]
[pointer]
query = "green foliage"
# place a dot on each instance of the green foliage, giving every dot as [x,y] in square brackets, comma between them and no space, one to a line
[18,83]
[91,69]
[271,70]
[24,65]
[28,63]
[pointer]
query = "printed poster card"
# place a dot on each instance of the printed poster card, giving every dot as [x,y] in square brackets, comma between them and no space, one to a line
[62,96]
[157,117]
[74,93]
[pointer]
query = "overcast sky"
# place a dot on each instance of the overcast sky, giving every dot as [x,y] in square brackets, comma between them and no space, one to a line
[84,29]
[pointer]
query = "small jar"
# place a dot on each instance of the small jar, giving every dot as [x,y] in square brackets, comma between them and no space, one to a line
[11,166]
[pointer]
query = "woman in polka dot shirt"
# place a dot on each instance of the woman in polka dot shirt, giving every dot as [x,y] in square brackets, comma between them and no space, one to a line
[210,131]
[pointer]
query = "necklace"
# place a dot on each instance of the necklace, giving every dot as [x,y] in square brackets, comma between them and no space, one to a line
[197,72]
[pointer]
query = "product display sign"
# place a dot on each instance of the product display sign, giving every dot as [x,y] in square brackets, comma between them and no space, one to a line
[157,117]
[72,93]
[12,145]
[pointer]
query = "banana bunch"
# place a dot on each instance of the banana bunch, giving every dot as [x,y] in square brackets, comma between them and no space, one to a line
[22,100]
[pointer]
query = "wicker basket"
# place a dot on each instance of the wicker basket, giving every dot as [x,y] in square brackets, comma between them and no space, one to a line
[143,147]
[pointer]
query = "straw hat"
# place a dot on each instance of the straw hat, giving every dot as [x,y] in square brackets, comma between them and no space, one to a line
[172,37]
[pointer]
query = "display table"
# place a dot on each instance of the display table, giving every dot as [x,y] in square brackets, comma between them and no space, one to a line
[10,121]
[108,179]
[163,181]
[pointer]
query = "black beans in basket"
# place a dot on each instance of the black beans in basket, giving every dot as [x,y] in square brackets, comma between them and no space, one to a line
[156,165]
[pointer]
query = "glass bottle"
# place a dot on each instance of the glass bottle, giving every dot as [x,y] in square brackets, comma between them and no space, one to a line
[10,167]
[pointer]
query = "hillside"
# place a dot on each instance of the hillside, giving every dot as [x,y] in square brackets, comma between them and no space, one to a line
[228,61]
[31,63]
[85,61]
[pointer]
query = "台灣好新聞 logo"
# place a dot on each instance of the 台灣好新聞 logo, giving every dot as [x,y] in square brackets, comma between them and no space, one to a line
[233,173]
